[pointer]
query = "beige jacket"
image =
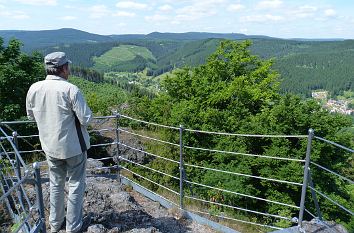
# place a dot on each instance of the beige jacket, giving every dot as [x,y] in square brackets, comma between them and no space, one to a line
[52,103]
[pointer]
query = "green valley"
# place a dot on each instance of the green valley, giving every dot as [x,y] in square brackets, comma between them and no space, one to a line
[125,58]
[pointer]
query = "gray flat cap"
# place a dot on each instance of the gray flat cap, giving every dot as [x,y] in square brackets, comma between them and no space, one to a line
[56,59]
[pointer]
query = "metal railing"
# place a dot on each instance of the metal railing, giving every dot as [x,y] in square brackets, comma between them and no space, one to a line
[28,215]
[125,164]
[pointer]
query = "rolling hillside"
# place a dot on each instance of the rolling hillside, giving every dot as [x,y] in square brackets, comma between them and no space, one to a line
[304,64]
[36,39]
[125,58]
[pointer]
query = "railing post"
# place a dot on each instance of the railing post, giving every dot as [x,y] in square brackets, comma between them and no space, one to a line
[39,194]
[315,197]
[117,147]
[305,180]
[18,163]
[181,168]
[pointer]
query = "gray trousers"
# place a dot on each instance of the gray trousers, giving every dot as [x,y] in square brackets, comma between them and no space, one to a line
[75,169]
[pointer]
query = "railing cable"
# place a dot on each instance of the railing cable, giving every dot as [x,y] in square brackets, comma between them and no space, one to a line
[334,173]
[335,144]
[160,185]
[334,202]
[241,174]
[150,138]
[245,154]
[247,135]
[239,208]
[243,195]
[142,151]
[148,123]
[149,168]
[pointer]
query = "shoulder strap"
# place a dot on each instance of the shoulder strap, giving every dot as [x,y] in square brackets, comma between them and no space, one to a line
[79,134]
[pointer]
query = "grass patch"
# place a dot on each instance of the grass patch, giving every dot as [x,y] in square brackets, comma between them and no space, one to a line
[119,57]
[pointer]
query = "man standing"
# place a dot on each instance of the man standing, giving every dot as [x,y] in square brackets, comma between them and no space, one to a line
[62,115]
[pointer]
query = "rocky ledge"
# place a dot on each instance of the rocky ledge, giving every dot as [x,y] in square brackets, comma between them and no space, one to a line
[116,208]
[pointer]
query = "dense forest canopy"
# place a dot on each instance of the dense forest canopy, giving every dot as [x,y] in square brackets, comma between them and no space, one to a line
[235,91]
[303,65]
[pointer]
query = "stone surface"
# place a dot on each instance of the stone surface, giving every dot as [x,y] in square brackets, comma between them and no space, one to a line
[324,227]
[315,226]
[115,208]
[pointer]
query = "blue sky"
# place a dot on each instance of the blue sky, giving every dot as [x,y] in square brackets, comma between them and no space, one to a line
[278,18]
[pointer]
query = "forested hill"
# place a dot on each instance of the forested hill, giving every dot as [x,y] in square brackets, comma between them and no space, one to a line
[35,39]
[304,64]
[38,39]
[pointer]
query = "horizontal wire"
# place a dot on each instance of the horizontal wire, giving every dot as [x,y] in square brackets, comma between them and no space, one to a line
[101,159]
[247,135]
[29,151]
[104,117]
[22,152]
[334,173]
[246,175]
[149,123]
[307,211]
[7,138]
[160,185]
[154,139]
[239,208]
[15,122]
[149,168]
[237,220]
[171,160]
[102,168]
[334,202]
[150,190]
[32,151]
[105,144]
[241,194]
[29,121]
[28,136]
[101,130]
[239,153]
[334,144]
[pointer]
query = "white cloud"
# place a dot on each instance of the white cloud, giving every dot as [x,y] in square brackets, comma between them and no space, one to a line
[304,11]
[156,18]
[68,18]
[199,9]
[166,7]
[330,13]
[13,14]
[124,14]
[261,18]
[39,2]
[131,5]
[235,7]
[98,11]
[266,4]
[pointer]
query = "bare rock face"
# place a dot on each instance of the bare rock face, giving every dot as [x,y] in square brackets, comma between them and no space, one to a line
[324,227]
[115,210]
[130,154]
[98,228]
